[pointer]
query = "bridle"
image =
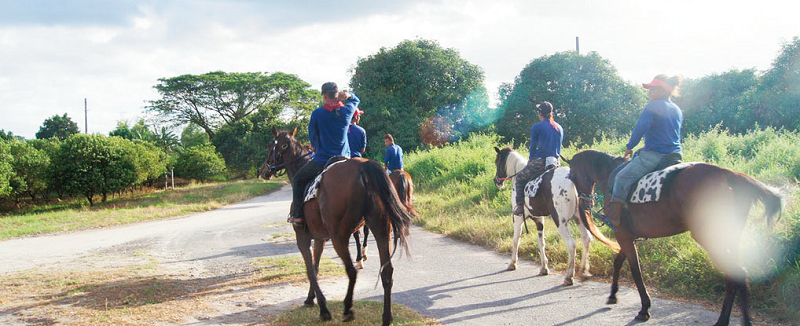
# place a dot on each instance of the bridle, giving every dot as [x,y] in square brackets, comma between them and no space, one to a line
[279,169]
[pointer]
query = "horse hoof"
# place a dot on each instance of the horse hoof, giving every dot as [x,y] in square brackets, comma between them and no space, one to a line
[611,300]
[587,275]
[359,265]
[325,316]
[308,304]
[568,282]
[544,271]
[350,316]
[643,316]
[512,267]
[365,256]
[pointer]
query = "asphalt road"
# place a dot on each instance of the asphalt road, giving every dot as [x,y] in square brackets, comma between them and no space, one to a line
[456,283]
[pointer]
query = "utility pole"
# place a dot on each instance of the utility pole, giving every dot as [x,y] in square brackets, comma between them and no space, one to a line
[577,45]
[85,116]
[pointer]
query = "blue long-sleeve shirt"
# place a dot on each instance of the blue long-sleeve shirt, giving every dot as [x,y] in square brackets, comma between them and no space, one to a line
[660,124]
[357,138]
[327,130]
[545,140]
[393,158]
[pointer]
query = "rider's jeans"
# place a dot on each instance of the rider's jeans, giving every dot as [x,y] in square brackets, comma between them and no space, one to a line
[641,164]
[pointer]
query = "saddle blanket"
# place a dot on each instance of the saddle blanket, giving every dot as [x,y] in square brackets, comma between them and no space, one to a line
[649,187]
[311,192]
[533,186]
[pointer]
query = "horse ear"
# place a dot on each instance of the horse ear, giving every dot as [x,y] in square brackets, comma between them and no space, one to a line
[496,149]
[294,132]
[274,131]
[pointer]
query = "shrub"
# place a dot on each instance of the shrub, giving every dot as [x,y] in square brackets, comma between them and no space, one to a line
[200,163]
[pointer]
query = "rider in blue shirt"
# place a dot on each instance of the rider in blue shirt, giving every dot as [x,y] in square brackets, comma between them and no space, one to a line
[357,136]
[660,124]
[393,158]
[545,147]
[327,132]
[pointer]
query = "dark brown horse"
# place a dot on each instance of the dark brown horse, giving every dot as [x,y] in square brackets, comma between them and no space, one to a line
[711,202]
[405,189]
[351,194]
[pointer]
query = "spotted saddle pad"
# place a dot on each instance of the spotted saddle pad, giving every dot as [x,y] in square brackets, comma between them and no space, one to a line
[313,187]
[533,186]
[649,187]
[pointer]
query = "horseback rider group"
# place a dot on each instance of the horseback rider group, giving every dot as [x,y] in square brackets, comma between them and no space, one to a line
[334,132]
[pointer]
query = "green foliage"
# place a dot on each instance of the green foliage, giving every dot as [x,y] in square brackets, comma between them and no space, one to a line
[200,163]
[720,99]
[589,97]
[57,126]
[6,168]
[192,135]
[779,92]
[150,161]
[419,92]
[92,165]
[217,99]
[30,166]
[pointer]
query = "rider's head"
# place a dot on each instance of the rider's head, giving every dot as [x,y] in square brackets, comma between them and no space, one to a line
[545,110]
[329,91]
[388,140]
[662,87]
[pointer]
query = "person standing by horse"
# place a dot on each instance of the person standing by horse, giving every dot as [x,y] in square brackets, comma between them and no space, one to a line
[545,147]
[660,124]
[393,158]
[327,132]
[357,136]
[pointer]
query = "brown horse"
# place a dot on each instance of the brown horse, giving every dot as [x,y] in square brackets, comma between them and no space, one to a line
[405,189]
[351,194]
[711,202]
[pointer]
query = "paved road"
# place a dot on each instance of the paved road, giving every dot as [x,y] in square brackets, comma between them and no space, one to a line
[456,283]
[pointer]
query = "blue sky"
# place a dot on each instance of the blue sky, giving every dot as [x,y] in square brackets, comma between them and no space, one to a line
[53,54]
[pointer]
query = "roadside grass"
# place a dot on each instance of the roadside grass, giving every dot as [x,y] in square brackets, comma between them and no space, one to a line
[140,206]
[293,269]
[366,313]
[456,196]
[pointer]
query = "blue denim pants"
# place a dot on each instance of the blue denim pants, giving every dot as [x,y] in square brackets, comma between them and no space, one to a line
[642,163]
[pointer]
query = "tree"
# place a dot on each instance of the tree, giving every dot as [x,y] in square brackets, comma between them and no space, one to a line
[200,163]
[779,92]
[417,83]
[92,165]
[57,126]
[192,135]
[150,161]
[217,99]
[726,98]
[6,169]
[29,167]
[9,135]
[589,97]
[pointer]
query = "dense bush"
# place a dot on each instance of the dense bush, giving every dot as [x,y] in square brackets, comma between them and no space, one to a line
[200,163]
[29,168]
[6,169]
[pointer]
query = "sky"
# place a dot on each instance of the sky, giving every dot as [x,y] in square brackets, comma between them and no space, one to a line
[54,54]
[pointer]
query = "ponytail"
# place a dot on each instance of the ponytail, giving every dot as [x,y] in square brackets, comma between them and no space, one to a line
[546,110]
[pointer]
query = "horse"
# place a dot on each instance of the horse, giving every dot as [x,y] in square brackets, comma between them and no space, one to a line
[352,194]
[405,189]
[557,198]
[685,205]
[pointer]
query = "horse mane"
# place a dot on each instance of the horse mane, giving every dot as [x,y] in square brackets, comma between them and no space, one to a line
[596,161]
[510,156]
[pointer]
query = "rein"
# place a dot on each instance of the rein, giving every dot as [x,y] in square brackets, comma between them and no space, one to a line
[283,165]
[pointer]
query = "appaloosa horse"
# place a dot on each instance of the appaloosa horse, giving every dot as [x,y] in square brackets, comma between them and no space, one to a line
[710,201]
[555,197]
[351,194]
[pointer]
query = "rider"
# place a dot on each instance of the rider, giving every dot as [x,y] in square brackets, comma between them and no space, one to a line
[546,138]
[327,132]
[660,124]
[356,136]
[393,158]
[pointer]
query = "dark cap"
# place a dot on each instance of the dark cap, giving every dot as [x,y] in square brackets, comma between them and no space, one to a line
[545,108]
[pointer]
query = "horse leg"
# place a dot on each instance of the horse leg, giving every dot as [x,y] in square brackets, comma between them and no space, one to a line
[304,244]
[515,243]
[319,245]
[629,248]
[586,238]
[727,303]
[380,230]
[542,254]
[356,236]
[563,230]
[364,247]
[612,299]
[342,248]
[744,301]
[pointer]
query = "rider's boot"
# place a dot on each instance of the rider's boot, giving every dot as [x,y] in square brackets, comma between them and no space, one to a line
[614,212]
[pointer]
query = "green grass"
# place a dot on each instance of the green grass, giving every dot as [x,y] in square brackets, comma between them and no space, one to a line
[75,215]
[366,313]
[457,197]
[292,268]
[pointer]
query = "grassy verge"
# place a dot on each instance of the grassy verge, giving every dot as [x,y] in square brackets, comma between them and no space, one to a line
[130,208]
[457,197]
[366,313]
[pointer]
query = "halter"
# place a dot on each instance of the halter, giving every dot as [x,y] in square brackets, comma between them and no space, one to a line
[275,168]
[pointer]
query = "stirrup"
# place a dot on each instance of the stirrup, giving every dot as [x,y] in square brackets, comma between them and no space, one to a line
[296,221]
[605,219]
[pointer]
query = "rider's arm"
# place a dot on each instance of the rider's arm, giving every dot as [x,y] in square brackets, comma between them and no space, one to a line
[534,142]
[645,120]
[313,132]
[350,105]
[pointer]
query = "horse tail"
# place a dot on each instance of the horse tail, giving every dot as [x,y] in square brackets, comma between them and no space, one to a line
[405,189]
[384,198]
[773,203]
[588,222]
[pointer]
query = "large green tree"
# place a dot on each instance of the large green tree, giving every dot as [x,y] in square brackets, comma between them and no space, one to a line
[779,92]
[217,99]
[57,126]
[200,163]
[6,169]
[416,89]
[589,97]
[30,167]
[727,99]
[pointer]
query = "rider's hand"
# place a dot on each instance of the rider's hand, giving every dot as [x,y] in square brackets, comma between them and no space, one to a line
[343,95]
[628,153]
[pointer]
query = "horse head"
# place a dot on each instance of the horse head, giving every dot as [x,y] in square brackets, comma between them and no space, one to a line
[284,147]
[506,163]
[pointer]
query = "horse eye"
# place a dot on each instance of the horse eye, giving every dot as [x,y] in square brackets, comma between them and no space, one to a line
[284,146]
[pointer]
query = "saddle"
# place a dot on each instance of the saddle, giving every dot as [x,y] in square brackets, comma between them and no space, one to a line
[312,187]
[667,161]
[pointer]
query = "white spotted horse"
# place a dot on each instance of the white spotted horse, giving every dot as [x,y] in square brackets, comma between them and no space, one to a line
[702,198]
[351,193]
[555,196]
